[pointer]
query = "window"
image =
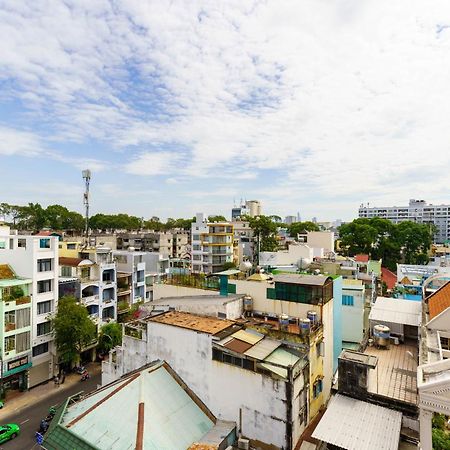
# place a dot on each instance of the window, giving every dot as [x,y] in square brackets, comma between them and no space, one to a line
[44,328]
[23,317]
[66,271]
[2,244]
[445,343]
[71,246]
[44,307]
[347,300]
[44,265]
[85,272]
[23,342]
[196,247]
[44,286]
[40,349]
[10,343]
[317,388]
[21,243]
[44,243]
[195,237]
[10,321]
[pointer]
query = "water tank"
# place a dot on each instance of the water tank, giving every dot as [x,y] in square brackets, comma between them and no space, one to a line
[245,266]
[303,263]
[305,326]
[382,335]
[284,322]
[248,303]
[313,317]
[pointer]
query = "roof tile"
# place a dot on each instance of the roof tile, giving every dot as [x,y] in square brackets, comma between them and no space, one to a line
[439,300]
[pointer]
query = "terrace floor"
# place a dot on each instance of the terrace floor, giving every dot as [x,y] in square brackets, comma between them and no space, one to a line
[396,373]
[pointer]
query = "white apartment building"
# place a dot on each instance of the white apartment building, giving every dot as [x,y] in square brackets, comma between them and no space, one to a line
[417,211]
[96,270]
[212,245]
[36,258]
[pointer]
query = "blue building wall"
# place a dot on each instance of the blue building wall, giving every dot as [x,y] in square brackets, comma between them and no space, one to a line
[337,321]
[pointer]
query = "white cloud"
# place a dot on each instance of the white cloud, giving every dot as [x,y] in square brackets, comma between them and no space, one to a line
[345,100]
[21,143]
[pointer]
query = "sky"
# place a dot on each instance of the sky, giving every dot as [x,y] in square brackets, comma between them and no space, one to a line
[310,106]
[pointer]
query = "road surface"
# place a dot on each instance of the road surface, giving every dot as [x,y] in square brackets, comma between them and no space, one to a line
[29,417]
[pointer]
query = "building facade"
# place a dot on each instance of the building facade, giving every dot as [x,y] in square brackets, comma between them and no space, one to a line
[212,245]
[36,258]
[417,211]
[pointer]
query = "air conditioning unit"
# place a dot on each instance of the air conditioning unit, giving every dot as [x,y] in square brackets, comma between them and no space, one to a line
[243,444]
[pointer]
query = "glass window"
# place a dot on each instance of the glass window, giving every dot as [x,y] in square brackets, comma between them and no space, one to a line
[44,307]
[44,243]
[2,244]
[44,286]
[23,342]
[10,343]
[10,321]
[348,300]
[44,328]
[44,265]
[23,317]
[66,271]
[22,243]
[40,349]
[71,246]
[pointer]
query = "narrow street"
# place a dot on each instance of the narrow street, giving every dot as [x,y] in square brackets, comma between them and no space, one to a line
[29,417]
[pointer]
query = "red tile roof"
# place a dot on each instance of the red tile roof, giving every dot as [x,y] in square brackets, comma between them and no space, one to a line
[48,233]
[389,278]
[439,301]
[362,258]
[72,262]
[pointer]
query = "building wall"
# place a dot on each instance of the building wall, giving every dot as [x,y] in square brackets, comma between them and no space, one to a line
[353,316]
[168,290]
[337,321]
[293,255]
[321,239]
[24,262]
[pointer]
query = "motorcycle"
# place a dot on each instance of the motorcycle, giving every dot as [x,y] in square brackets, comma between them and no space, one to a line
[85,376]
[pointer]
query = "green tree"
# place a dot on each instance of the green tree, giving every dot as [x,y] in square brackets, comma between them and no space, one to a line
[415,240]
[302,227]
[32,217]
[265,230]
[73,329]
[228,266]
[110,336]
[217,219]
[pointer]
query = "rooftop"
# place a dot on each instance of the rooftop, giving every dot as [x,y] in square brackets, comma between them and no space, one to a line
[172,416]
[396,373]
[356,425]
[209,325]
[439,301]
[359,358]
[311,280]
[396,310]
[362,258]
[74,262]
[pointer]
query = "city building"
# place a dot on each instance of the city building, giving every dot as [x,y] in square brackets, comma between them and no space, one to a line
[168,244]
[36,258]
[95,268]
[212,245]
[244,375]
[244,240]
[417,211]
[250,208]
[353,307]
[130,276]
[15,329]
[150,408]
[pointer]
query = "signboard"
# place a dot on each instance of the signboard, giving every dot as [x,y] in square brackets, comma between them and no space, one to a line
[17,363]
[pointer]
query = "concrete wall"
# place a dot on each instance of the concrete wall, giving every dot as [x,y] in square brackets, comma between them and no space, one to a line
[353,316]
[321,239]
[337,321]
[286,257]
[168,290]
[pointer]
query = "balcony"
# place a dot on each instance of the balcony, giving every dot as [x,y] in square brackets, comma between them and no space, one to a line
[23,300]
[90,299]
[123,290]
[10,327]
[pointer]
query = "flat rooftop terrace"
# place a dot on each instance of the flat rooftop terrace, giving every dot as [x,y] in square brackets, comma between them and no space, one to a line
[396,373]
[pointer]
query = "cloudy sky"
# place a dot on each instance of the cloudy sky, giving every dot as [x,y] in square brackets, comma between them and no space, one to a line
[182,106]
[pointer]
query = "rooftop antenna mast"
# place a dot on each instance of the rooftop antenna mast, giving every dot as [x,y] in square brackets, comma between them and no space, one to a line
[87,179]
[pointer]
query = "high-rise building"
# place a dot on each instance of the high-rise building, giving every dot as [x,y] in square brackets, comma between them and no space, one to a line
[417,211]
[253,208]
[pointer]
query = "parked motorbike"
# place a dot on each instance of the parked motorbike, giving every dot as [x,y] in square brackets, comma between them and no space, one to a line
[85,376]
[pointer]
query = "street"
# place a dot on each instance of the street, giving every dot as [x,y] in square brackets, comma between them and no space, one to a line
[29,417]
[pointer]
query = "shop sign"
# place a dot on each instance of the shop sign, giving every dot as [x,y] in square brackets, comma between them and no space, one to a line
[16,363]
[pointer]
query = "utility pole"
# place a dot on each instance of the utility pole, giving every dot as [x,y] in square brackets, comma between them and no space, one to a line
[87,179]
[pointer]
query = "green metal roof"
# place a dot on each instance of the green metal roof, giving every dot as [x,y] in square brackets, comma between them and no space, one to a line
[108,418]
[14,282]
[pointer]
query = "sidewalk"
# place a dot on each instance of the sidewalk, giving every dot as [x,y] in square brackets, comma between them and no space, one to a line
[15,400]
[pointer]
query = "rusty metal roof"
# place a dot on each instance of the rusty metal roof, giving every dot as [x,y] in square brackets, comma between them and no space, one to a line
[209,325]
[238,346]
[439,300]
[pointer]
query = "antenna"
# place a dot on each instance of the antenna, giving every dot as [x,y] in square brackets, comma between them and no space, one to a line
[87,179]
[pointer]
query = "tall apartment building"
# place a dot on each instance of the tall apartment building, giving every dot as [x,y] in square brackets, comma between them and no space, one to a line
[250,208]
[212,245]
[417,211]
[36,258]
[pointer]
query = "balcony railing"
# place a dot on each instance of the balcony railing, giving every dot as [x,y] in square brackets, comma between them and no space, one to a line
[19,300]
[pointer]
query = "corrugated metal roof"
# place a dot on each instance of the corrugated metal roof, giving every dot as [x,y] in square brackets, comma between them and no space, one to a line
[276,370]
[439,301]
[238,346]
[282,357]
[396,310]
[246,336]
[262,349]
[356,425]
[172,418]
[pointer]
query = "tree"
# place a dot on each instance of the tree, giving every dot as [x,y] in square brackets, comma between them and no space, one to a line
[228,266]
[73,329]
[216,219]
[416,240]
[302,227]
[265,230]
[110,336]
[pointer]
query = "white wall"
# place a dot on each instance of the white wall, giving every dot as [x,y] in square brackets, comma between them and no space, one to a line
[286,257]
[328,351]
[353,316]
[321,239]
[168,290]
